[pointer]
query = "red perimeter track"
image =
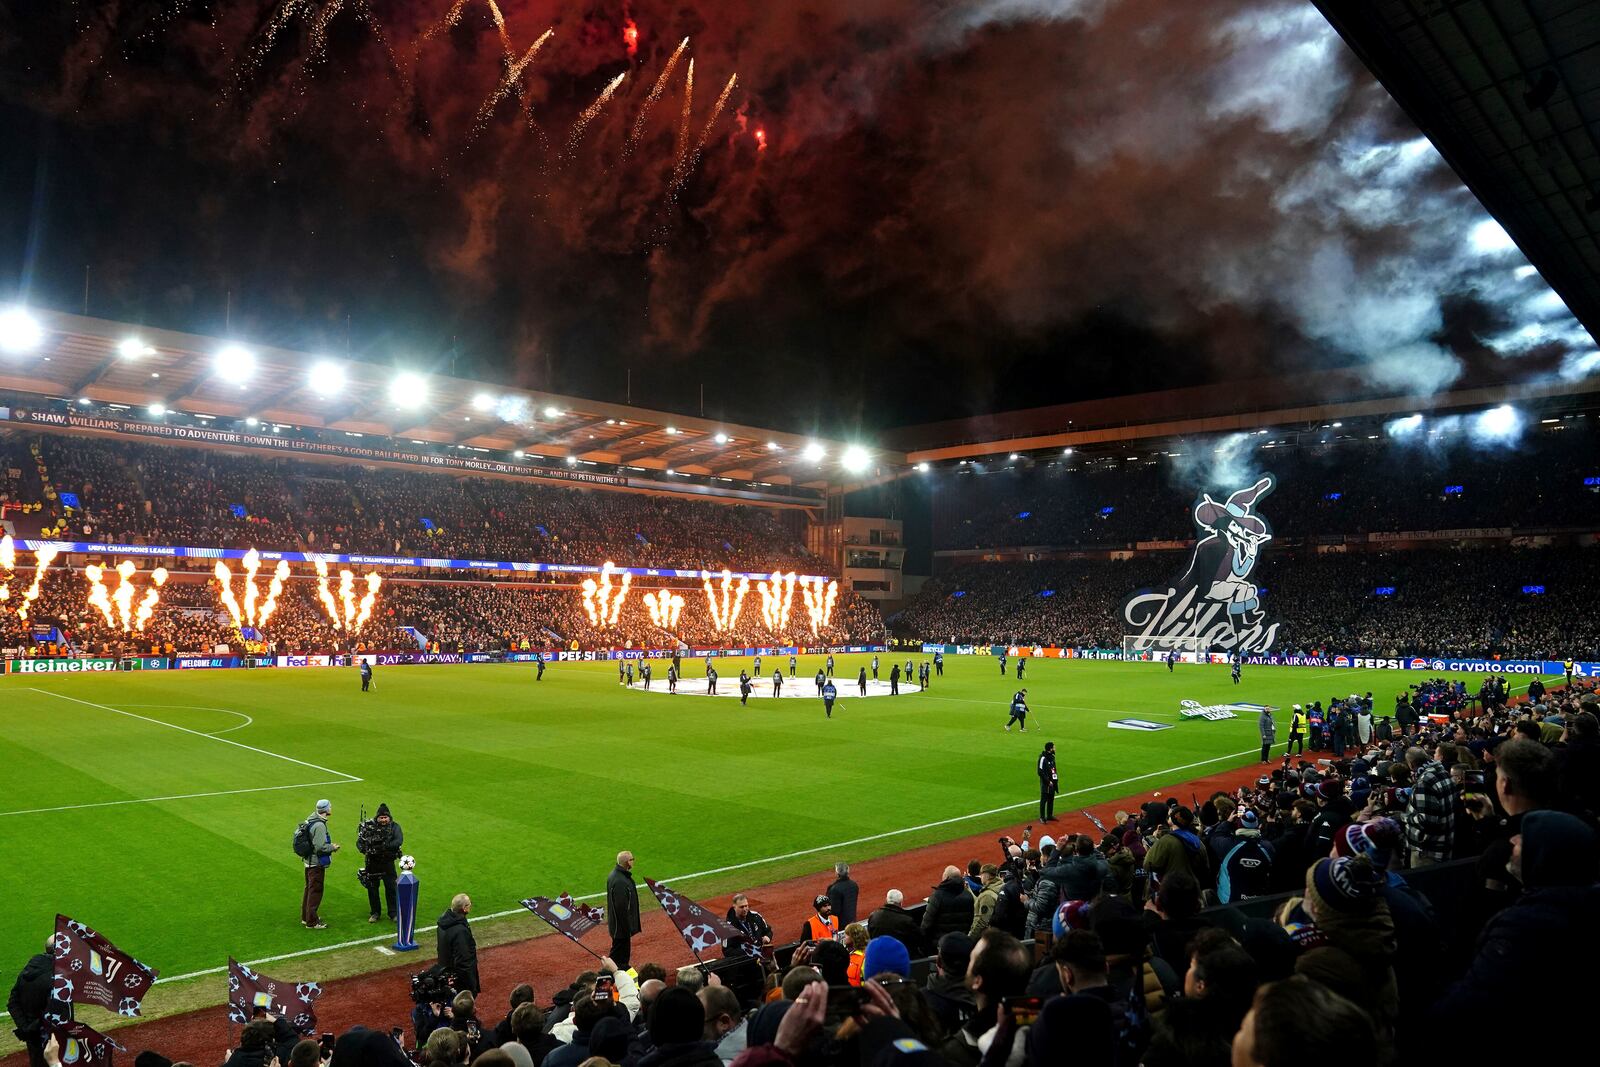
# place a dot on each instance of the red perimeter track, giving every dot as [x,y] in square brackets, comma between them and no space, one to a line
[381,999]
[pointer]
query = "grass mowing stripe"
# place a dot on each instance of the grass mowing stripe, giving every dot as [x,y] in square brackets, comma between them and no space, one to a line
[179,796]
[197,733]
[730,867]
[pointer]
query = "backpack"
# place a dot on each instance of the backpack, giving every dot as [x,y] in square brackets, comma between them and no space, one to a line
[302,841]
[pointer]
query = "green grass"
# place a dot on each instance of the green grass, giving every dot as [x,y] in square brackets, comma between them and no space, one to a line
[506,788]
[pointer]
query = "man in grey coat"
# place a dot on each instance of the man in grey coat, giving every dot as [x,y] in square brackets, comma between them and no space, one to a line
[1269,733]
[622,909]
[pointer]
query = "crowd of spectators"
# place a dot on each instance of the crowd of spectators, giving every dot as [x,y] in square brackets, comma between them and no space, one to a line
[1449,603]
[161,494]
[1290,922]
[1345,488]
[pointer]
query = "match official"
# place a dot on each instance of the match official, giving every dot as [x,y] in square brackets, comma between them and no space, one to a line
[622,910]
[829,694]
[366,675]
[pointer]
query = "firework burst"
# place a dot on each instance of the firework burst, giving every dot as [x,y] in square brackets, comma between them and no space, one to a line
[591,112]
[655,94]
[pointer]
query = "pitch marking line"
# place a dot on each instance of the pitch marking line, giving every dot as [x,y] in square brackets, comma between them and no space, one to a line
[248,721]
[301,953]
[343,779]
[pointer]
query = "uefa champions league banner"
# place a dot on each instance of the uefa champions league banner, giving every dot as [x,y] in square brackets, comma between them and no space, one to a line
[271,556]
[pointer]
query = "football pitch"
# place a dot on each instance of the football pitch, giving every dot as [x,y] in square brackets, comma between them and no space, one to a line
[159,807]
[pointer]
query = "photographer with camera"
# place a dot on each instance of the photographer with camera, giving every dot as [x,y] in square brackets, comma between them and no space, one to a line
[379,839]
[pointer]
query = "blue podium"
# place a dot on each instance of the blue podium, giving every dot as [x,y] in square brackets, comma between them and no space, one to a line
[406,924]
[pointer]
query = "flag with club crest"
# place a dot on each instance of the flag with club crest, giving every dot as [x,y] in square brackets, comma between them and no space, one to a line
[91,970]
[700,928]
[1098,825]
[570,918]
[249,990]
[78,1044]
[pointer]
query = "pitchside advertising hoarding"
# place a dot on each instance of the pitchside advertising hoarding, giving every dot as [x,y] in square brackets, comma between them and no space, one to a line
[1431,664]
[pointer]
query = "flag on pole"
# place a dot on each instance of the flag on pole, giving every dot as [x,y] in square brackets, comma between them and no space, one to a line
[1098,825]
[91,970]
[249,990]
[571,919]
[700,928]
[79,1043]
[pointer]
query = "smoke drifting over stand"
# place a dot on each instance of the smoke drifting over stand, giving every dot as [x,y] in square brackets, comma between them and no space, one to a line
[1025,201]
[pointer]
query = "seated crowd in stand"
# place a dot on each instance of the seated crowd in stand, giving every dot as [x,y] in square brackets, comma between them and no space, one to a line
[1344,487]
[1456,603]
[162,494]
[1287,923]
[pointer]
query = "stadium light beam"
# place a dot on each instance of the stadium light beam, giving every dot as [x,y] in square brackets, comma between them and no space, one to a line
[1403,427]
[923,467]
[133,348]
[483,402]
[1498,423]
[157,410]
[855,459]
[721,438]
[19,331]
[814,452]
[1489,237]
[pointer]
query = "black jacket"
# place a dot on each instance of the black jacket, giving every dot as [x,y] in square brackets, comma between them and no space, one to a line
[687,1054]
[842,894]
[458,951]
[30,994]
[949,910]
[894,921]
[622,904]
[381,858]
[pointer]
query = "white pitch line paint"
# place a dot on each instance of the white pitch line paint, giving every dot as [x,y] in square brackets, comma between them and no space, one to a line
[178,796]
[197,733]
[319,950]
[248,721]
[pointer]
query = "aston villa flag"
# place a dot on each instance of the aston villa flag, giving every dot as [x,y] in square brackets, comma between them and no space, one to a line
[91,970]
[249,990]
[78,1044]
[700,928]
[570,918]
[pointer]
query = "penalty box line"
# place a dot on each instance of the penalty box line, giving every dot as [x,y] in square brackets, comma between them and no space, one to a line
[342,779]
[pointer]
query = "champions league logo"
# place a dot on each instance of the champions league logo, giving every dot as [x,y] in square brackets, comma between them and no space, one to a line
[1214,602]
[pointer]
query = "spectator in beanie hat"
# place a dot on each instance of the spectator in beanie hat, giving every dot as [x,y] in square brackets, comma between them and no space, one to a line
[677,1029]
[1344,908]
[886,955]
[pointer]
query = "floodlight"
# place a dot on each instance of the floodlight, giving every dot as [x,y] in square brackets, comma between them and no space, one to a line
[814,452]
[19,331]
[483,402]
[326,377]
[923,467]
[408,390]
[855,459]
[157,410]
[721,438]
[133,348]
[234,364]
[1499,422]
[552,413]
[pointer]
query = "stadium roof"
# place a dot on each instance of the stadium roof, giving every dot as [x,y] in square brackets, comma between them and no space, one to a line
[1509,92]
[104,363]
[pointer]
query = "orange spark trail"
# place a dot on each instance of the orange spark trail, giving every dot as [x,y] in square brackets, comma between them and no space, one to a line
[682,146]
[591,111]
[512,75]
[318,47]
[716,111]
[500,24]
[655,94]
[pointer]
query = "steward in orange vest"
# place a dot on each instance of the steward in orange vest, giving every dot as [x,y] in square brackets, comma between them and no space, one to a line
[822,926]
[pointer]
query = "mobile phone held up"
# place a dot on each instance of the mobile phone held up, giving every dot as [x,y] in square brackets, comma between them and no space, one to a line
[326,1041]
[605,989]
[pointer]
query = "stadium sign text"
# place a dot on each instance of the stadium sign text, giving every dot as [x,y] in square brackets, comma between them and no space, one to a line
[1213,603]
[61,666]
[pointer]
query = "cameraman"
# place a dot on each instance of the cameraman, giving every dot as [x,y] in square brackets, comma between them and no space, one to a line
[380,842]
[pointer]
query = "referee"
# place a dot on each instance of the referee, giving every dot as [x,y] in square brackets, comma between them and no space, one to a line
[1049,784]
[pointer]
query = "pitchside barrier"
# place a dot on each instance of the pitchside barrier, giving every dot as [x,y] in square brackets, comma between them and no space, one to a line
[16,664]
[1434,664]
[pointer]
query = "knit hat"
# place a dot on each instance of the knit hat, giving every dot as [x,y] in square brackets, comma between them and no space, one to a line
[1329,788]
[383,809]
[819,900]
[324,805]
[886,954]
[1183,818]
[1073,915]
[610,1038]
[1360,790]
[1349,884]
[1248,820]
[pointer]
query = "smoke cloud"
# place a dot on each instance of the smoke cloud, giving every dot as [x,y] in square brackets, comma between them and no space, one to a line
[1124,192]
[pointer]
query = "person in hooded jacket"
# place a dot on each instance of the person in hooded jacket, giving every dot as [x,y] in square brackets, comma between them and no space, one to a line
[950,908]
[1546,939]
[29,996]
[1180,849]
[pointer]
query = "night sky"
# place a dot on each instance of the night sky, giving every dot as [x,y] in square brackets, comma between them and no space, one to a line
[906,210]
